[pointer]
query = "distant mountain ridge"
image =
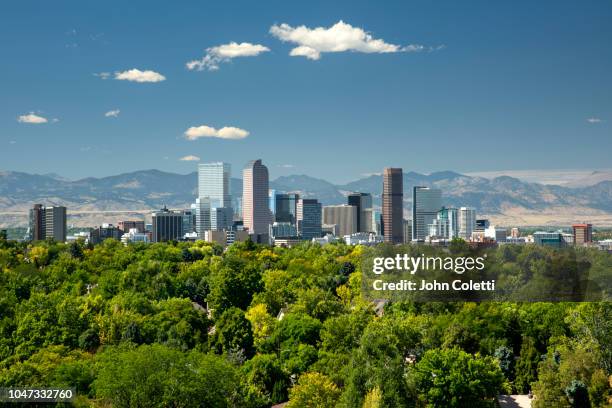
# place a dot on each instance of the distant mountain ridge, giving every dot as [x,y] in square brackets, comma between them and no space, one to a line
[148,189]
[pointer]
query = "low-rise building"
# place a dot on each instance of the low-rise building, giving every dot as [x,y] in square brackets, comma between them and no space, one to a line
[363,238]
[104,232]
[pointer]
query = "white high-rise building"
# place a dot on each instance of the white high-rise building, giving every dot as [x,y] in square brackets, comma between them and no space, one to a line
[214,185]
[467,222]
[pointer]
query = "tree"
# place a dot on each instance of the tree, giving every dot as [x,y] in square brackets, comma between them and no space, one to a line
[262,323]
[454,378]
[156,375]
[527,366]
[265,380]
[233,333]
[313,390]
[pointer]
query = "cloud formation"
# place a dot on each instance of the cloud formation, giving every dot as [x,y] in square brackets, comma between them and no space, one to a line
[228,132]
[112,113]
[102,75]
[594,120]
[32,118]
[136,75]
[224,53]
[341,37]
[190,158]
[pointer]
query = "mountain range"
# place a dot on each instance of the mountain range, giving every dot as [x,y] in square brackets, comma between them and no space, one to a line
[503,198]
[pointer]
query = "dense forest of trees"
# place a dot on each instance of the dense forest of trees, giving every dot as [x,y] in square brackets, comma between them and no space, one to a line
[191,325]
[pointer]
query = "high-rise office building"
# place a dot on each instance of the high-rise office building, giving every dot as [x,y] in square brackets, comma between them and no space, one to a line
[255,203]
[167,225]
[363,202]
[467,222]
[393,205]
[286,207]
[344,216]
[272,203]
[47,223]
[202,211]
[426,202]
[189,220]
[308,218]
[446,224]
[214,185]
[583,233]
[372,221]
[55,223]
[37,223]
[407,231]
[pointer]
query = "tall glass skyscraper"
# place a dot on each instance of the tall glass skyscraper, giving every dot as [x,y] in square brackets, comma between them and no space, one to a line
[309,218]
[286,207]
[214,183]
[214,187]
[426,202]
[363,202]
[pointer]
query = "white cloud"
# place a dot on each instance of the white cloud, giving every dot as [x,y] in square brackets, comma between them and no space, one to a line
[32,118]
[228,132]
[594,120]
[102,75]
[136,75]
[286,166]
[224,53]
[112,113]
[190,158]
[340,37]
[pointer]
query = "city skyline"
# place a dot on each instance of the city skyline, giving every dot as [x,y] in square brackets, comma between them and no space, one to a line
[172,88]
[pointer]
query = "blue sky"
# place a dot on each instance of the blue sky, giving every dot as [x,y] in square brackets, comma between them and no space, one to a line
[496,86]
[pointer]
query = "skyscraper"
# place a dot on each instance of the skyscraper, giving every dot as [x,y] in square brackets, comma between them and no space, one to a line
[372,221]
[392,205]
[167,225]
[255,204]
[286,207]
[214,185]
[202,210]
[426,202]
[37,223]
[308,218]
[47,223]
[55,223]
[467,222]
[363,202]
